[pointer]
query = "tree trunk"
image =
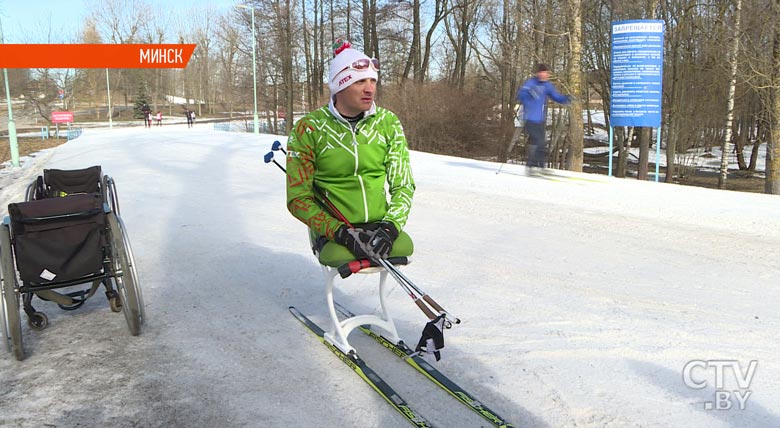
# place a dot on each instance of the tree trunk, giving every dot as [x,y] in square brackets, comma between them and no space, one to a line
[309,60]
[644,136]
[625,151]
[374,35]
[366,28]
[673,91]
[739,146]
[754,156]
[439,14]
[574,154]
[772,184]
[413,61]
[726,145]
[320,53]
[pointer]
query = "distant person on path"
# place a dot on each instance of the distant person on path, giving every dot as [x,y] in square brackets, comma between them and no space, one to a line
[351,150]
[192,117]
[533,95]
[147,112]
[189,114]
[159,118]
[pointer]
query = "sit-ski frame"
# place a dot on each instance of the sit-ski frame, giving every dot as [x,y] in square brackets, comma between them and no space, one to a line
[340,329]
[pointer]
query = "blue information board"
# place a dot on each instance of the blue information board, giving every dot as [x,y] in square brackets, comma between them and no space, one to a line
[637,72]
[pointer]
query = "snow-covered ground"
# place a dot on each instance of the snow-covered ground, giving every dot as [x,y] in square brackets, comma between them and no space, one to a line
[585,301]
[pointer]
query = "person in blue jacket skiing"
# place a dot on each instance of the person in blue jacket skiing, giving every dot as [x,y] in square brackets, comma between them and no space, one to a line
[533,95]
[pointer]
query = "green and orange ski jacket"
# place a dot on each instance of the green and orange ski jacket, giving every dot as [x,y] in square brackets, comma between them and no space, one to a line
[350,168]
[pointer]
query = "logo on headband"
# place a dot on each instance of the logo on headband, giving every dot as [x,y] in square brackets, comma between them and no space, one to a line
[345,80]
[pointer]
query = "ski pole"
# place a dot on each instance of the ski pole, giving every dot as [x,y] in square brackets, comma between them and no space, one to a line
[405,283]
[278,146]
[269,157]
[516,138]
[415,298]
[418,300]
[425,296]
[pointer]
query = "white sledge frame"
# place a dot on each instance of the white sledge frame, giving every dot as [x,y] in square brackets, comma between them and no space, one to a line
[339,330]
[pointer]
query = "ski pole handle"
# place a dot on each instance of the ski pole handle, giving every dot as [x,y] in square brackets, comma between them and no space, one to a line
[438,307]
[404,284]
[269,157]
[423,307]
[278,146]
[422,293]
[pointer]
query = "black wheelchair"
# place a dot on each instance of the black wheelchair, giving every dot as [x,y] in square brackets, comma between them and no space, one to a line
[67,233]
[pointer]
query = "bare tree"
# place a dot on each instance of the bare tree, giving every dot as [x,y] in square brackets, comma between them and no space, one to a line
[286,37]
[772,184]
[155,31]
[440,12]
[726,144]
[120,22]
[574,154]
[200,29]
[459,31]
[91,81]
[227,46]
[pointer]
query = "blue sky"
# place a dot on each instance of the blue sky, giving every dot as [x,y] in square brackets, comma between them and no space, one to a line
[20,16]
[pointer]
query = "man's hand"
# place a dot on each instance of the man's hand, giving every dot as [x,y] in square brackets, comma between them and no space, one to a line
[371,241]
[356,240]
[381,242]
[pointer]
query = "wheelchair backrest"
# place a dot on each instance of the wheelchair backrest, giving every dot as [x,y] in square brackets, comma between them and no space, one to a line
[59,182]
[58,239]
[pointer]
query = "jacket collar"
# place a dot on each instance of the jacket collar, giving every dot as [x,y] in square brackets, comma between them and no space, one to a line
[334,112]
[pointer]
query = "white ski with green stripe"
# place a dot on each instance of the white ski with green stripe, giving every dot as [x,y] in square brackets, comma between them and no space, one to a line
[353,361]
[401,350]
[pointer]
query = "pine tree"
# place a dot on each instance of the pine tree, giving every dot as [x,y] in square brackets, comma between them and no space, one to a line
[141,99]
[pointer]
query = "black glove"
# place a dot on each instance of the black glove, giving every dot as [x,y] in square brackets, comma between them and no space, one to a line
[381,242]
[355,239]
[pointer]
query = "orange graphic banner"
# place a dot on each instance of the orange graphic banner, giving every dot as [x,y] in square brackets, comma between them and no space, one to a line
[95,56]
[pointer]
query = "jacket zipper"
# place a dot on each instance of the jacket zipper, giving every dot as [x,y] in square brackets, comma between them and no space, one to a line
[357,162]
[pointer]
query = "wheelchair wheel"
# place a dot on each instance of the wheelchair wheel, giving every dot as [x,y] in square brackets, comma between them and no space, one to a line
[125,277]
[131,261]
[10,320]
[115,303]
[38,321]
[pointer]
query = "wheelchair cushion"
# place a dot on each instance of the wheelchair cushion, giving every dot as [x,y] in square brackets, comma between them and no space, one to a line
[334,255]
[67,182]
[58,239]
